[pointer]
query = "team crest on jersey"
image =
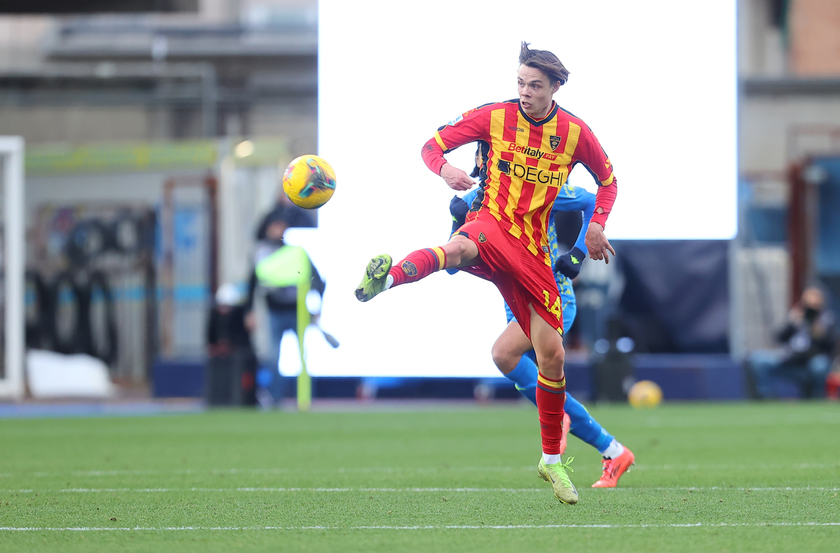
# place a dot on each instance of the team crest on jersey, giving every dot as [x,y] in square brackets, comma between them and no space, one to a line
[554,141]
[409,268]
[481,237]
[546,249]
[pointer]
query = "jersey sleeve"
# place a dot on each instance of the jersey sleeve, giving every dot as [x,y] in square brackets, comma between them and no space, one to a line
[587,200]
[593,157]
[467,127]
[575,198]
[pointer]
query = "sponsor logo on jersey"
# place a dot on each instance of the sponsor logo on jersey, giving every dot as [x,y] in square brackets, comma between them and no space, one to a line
[531,152]
[531,174]
[409,268]
[515,128]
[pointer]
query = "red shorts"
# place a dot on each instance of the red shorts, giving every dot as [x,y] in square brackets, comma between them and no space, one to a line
[523,278]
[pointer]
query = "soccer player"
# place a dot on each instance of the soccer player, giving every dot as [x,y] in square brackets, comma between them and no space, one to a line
[532,145]
[522,370]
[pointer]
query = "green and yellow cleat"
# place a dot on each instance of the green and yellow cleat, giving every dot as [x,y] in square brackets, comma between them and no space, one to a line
[376,274]
[564,490]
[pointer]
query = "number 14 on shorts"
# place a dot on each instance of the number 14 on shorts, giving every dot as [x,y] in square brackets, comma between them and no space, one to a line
[555,308]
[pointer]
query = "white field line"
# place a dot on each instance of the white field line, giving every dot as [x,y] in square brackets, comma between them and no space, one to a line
[430,527]
[403,470]
[414,490]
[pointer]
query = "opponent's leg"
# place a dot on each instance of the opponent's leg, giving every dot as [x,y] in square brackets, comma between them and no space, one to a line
[615,466]
[524,373]
[507,354]
[380,275]
[524,378]
[617,457]
[585,427]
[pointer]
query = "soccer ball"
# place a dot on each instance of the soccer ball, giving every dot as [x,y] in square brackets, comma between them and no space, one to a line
[645,394]
[309,181]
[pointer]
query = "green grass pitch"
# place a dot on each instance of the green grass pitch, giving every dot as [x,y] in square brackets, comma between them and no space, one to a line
[708,477]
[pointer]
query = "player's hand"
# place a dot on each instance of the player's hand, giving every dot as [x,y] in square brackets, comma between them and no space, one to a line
[597,243]
[458,208]
[455,178]
[569,263]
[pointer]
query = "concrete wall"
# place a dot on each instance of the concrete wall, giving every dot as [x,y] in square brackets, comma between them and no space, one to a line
[76,124]
[776,129]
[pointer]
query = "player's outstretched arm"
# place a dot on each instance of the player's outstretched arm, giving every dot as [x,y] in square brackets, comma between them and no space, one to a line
[595,159]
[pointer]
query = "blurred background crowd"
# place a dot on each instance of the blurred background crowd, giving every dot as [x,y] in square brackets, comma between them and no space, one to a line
[156,133]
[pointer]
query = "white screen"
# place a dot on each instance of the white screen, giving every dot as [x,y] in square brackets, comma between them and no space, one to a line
[654,79]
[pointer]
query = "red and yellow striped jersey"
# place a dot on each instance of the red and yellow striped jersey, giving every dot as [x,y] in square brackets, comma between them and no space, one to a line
[527,162]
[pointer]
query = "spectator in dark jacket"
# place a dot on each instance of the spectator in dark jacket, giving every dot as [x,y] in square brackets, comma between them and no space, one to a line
[809,337]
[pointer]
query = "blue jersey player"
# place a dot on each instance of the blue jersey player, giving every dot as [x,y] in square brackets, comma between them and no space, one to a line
[617,458]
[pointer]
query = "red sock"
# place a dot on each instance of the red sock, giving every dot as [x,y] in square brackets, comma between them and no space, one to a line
[551,397]
[418,264]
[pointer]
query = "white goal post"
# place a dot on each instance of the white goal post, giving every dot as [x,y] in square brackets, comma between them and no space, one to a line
[11,153]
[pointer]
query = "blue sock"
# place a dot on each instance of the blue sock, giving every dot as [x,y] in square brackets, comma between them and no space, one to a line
[525,378]
[586,428]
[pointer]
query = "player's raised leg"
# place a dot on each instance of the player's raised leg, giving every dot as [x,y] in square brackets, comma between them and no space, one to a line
[375,277]
[381,275]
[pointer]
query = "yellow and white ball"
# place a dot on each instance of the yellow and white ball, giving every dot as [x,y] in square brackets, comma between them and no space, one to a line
[645,394]
[309,181]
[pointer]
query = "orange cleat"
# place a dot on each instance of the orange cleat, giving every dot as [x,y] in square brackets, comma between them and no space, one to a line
[614,468]
[566,422]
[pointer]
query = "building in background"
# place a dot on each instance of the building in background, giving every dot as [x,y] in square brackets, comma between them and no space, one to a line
[214,68]
[789,133]
[150,117]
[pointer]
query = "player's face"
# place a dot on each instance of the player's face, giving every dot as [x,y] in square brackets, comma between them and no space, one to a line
[535,91]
